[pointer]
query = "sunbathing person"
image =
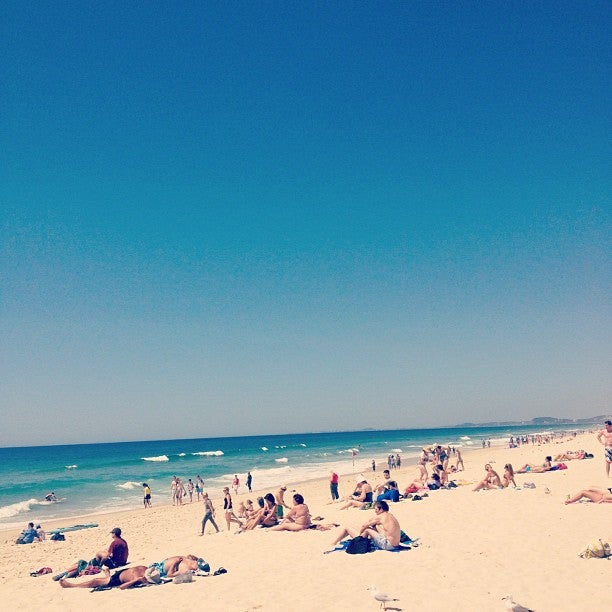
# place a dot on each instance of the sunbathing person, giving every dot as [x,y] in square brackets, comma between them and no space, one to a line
[491,480]
[538,469]
[266,516]
[172,566]
[124,579]
[594,494]
[297,519]
[569,455]
[360,498]
[508,476]
[383,529]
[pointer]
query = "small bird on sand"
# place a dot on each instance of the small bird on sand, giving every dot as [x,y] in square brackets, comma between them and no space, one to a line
[513,606]
[383,598]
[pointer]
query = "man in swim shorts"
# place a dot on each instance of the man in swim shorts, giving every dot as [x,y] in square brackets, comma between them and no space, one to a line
[383,529]
[124,579]
[605,438]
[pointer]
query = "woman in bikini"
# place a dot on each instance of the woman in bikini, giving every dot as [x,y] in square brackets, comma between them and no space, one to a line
[508,476]
[594,494]
[490,481]
[267,516]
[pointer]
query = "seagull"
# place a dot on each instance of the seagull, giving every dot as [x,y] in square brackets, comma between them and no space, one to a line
[383,598]
[513,606]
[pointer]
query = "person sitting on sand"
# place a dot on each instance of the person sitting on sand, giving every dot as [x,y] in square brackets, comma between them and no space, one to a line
[381,487]
[594,494]
[297,519]
[28,535]
[117,553]
[383,529]
[266,517]
[491,480]
[361,498]
[391,493]
[124,579]
[508,477]
[538,469]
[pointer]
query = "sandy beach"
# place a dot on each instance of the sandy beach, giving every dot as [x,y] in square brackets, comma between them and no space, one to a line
[475,547]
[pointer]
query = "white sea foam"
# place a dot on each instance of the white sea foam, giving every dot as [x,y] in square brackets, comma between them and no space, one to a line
[465,437]
[303,445]
[71,467]
[182,454]
[282,460]
[20,507]
[128,485]
[157,459]
[397,450]
[217,453]
[264,448]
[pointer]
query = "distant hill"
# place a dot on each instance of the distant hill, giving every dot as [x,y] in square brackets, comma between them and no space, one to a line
[596,420]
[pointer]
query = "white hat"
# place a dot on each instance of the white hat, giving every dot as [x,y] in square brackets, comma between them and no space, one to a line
[152,575]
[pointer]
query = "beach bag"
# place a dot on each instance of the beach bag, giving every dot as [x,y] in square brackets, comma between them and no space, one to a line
[597,550]
[359,546]
[58,537]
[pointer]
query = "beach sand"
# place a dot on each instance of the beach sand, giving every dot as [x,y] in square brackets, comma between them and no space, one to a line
[474,549]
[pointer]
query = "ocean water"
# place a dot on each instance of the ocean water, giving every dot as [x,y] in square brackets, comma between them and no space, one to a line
[99,478]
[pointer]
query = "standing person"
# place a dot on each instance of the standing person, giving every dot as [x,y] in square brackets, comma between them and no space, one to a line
[230,517]
[249,480]
[209,513]
[280,501]
[373,465]
[180,491]
[605,437]
[459,460]
[173,486]
[190,488]
[236,483]
[147,495]
[117,553]
[199,483]
[333,486]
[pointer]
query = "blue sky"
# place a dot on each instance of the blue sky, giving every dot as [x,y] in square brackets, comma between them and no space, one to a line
[270,217]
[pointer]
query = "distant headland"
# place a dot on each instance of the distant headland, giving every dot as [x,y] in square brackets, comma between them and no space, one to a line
[541,421]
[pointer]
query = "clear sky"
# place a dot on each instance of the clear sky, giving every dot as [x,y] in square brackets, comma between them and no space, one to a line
[266,217]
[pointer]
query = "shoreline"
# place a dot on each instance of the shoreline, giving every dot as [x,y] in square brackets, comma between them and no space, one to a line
[519,541]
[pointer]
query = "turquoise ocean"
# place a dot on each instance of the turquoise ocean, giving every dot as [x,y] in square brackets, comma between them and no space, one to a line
[99,478]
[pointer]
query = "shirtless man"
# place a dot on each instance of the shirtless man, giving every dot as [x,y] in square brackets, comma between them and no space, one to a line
[172,566]
[297,519]
[124,579]
[605,438]
[383,529]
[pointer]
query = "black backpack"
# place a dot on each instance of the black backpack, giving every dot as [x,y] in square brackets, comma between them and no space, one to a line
[359,546]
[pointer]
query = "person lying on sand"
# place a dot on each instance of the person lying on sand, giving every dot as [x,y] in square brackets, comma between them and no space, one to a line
[297,519]
[570,455]
[124,579]
[538,469]
[383,529]
[594,494]
[491,480]
[172,566]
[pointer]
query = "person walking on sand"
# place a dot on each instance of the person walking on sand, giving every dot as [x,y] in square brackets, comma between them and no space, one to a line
[605,437]
[230,517]
[249,481]
[209,513]
[236,483]
[147,495]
